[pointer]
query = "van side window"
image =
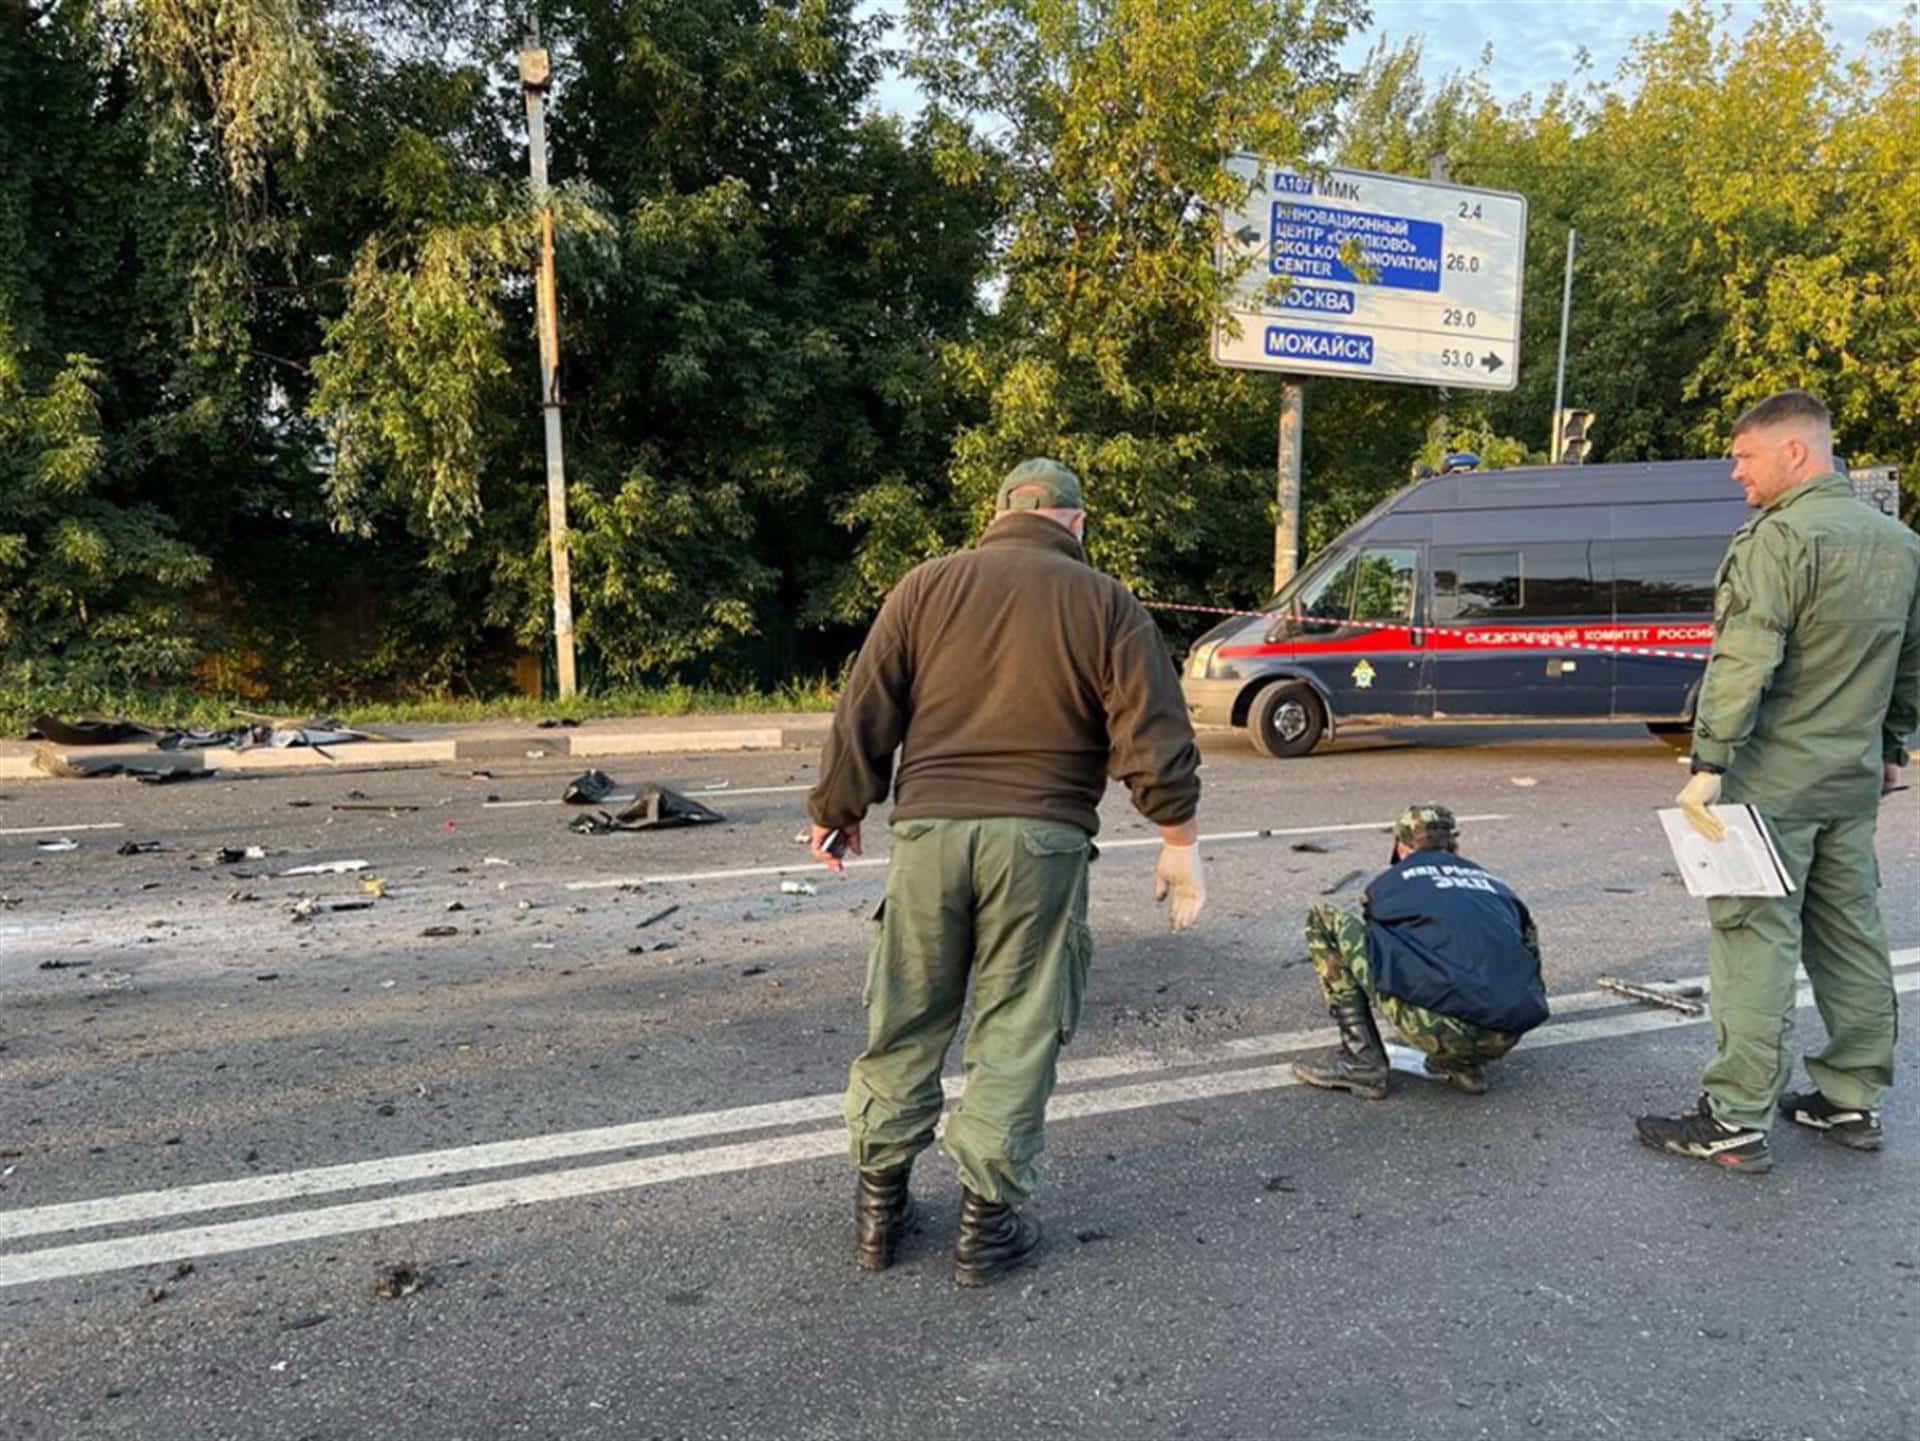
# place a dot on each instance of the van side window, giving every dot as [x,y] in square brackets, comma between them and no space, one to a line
[1385,585]
[1469,583]
[1330,596]
[1373,584]
[1561,578]
[1666,577]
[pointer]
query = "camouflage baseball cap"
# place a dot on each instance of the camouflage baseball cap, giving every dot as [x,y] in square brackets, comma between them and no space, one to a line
[1426,828]
[1058,487]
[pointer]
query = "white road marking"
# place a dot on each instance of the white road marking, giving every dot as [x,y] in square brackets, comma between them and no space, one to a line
[669,877]
[613,799]
[426,1165]
[49,830]
[87,1258]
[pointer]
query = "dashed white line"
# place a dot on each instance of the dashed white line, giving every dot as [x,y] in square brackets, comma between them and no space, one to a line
[215,1239]
[62,830]
[87,1258]
[741,873]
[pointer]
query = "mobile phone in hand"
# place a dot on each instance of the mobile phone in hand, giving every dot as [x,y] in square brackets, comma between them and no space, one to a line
[835,843]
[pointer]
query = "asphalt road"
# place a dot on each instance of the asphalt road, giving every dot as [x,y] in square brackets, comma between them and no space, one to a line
[606,1139]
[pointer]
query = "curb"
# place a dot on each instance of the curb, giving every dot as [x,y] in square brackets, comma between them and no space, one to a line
[388,755]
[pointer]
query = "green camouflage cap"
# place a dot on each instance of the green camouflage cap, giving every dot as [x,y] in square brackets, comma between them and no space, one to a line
[1426,828]
[1059,487]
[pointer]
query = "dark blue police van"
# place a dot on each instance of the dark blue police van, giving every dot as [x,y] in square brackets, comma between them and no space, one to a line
[1557,594]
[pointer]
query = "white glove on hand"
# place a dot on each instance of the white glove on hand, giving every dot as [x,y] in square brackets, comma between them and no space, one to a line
[1178,875]
[1700,792]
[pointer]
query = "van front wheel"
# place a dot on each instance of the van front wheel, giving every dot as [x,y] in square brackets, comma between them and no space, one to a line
[1286,720]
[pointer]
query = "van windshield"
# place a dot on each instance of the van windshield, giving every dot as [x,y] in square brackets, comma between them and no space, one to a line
[1310,582]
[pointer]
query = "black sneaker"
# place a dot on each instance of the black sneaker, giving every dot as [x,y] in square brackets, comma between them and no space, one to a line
[1855,1129]
[1697,1133]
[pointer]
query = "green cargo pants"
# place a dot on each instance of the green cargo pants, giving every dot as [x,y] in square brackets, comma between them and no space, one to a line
[1830,924]
[1337,946]
[1005,903]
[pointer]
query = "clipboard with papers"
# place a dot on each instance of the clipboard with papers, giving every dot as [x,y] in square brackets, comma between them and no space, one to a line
[1744,862]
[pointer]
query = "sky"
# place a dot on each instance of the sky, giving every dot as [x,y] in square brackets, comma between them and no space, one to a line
[1535,42]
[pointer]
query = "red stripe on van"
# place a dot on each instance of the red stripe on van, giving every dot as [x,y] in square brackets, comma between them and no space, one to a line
[1387,640]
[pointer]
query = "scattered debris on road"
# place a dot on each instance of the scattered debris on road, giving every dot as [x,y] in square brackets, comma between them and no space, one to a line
[1524,781]
[323,868]
[230,855]
[656,917]
[437,932]
[390,808]
[398,1280]
[656,808]
[58,965]
[799,888]
[138,848]
[1675,997]
[303,908]
[89,731]
[1340,885]
[64,843]
[1309,848]
[589,788]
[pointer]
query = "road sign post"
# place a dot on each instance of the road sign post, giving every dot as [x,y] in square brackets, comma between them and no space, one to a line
[1286,530]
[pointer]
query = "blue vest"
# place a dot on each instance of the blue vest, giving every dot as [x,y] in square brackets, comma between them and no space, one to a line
[1444,934]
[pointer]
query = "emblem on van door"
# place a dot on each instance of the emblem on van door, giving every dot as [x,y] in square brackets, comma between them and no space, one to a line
[1363,674]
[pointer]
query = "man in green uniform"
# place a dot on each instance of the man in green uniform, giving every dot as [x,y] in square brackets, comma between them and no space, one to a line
[1804,714]
[1444,950]
[1013,679]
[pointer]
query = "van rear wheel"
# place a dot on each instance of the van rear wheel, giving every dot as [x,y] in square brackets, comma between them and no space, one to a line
[1286,720]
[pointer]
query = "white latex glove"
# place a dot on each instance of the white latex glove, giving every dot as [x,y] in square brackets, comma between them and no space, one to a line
[1178,875]
[1700,792]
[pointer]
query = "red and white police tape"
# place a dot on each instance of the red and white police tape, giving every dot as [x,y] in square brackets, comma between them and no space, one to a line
[1608,638]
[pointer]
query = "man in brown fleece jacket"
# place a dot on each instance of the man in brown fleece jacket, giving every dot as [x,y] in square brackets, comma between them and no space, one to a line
[1013,679]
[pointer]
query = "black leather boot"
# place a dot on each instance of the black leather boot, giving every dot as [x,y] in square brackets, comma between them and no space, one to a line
[1358,1063]
[882,1214]
[1467,1076]
[993,1240]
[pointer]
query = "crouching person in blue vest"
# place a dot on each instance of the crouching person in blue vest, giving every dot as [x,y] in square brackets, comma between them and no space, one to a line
[1445,950]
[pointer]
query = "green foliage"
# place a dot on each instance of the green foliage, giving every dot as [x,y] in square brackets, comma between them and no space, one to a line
[1112,120]
[81,577]
[268,391]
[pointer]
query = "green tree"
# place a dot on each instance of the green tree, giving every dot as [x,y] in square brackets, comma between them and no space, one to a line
[1106,125]
[89,588]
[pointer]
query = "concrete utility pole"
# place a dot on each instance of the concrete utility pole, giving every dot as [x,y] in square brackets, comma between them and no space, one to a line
[536,76]
[1286,532]
[1560,373]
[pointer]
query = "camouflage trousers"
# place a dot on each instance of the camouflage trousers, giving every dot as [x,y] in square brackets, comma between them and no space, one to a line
[1337,945]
